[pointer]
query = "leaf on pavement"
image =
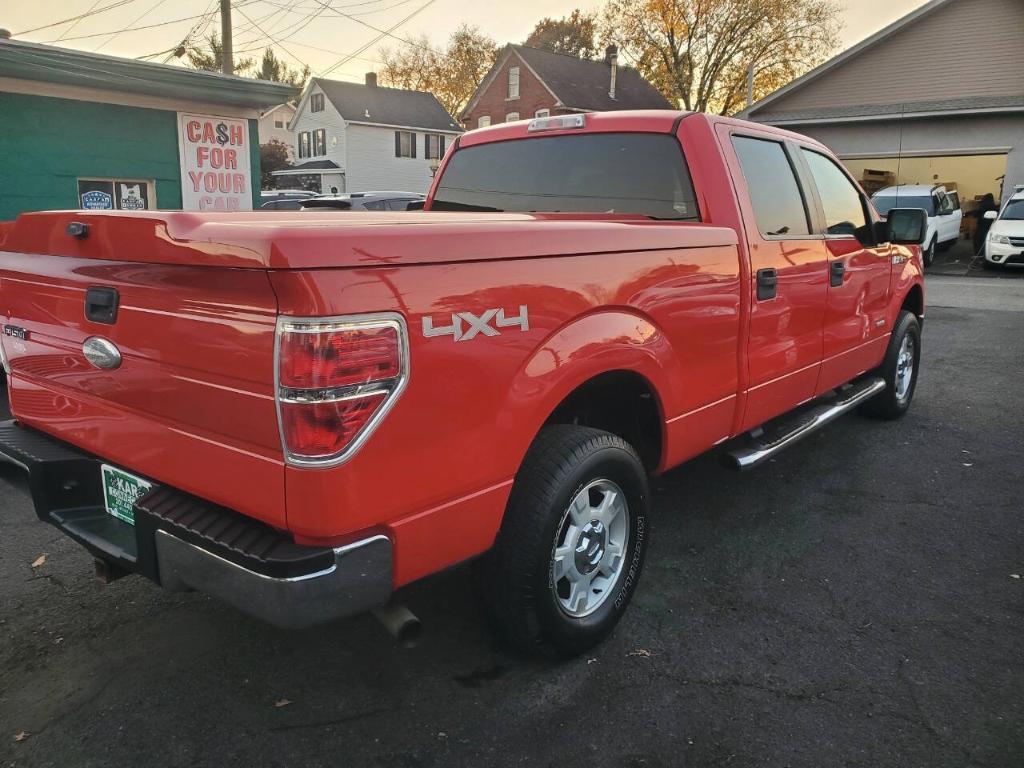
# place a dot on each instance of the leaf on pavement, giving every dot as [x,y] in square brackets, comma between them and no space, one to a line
[640,652]
[39,560]
[281,703]
[21,736]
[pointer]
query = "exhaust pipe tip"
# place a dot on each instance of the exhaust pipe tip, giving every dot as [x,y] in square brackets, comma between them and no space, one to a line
[401,624]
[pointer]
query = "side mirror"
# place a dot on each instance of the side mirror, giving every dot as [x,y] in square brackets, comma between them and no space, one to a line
[991,215]
[907,226]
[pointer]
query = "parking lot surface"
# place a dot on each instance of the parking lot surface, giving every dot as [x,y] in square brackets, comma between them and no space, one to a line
[857,602]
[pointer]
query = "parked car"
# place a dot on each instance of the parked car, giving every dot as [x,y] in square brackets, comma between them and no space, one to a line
[1004,245]
[301,418]
[941,205]
[364,201]
[283,199]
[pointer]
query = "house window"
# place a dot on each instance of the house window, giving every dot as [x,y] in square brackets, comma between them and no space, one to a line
[279,123]
[319,142]
[511,116]
[513,83]
[484,121]
[304,144]
[434,145]
[542,113]
[405,144]
[316,102]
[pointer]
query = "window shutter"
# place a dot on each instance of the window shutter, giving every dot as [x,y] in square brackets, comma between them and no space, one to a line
[440,146]
[412,143]
[398,143]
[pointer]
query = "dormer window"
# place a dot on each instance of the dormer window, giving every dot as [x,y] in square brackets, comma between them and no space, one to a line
[513,82]
[316,102]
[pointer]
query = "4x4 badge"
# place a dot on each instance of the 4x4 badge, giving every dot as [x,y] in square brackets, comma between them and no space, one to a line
[466,325]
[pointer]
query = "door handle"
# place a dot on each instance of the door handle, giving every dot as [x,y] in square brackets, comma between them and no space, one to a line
[836,270]
[101,304]
[767,283]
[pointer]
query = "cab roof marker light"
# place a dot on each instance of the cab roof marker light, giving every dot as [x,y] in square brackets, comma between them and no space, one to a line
[560,123]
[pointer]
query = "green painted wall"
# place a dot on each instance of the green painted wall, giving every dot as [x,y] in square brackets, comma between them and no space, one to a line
[46,144]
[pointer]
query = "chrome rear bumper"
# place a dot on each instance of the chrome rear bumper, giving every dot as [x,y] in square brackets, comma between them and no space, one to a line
[359,579]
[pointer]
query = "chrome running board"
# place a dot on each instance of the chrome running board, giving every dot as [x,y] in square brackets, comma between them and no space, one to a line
[772,439]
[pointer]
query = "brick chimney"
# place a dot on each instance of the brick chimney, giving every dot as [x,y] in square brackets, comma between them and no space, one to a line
[371,79]
[611,58]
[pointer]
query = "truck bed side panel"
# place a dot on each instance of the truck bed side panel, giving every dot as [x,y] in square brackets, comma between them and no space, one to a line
[472,407]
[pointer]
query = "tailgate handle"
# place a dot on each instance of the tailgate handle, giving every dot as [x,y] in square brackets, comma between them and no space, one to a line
[101,304]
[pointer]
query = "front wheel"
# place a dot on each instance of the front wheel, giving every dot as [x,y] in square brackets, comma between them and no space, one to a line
[928,255]
[899,369]
[571,547]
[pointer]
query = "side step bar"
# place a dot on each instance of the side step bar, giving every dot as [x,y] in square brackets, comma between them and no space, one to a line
[767,442]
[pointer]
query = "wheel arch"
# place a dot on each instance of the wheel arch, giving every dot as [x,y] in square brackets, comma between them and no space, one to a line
[614,356]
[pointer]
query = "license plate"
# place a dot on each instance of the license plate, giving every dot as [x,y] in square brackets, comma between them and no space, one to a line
[120,492]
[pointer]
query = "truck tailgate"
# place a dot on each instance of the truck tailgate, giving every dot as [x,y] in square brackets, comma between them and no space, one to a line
[191,404]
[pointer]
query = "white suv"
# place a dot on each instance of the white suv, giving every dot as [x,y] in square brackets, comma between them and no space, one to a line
[1004,245]
[942,206]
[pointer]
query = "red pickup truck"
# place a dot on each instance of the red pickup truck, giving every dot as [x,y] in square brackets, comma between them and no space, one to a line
[301,412]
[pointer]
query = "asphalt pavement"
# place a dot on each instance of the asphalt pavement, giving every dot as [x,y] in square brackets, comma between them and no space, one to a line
[857,602]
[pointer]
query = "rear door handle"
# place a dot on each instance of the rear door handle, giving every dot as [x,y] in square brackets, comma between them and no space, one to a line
[767,283]
[836,270]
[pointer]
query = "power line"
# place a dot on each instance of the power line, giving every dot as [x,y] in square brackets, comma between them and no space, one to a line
[381,36]
[79,17]
[75,22]
[133,21]
[278,43]
[383,32]
[146,26]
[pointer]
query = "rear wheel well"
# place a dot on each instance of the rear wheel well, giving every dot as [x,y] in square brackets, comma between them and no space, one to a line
[621,402]
[914,301]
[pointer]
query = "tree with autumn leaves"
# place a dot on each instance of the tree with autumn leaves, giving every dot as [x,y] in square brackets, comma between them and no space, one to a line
[696,52]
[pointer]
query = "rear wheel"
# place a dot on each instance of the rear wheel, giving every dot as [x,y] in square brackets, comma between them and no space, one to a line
[571,547]
[899,369]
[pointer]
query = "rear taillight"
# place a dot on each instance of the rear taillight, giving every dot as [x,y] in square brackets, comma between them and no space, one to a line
[336,379]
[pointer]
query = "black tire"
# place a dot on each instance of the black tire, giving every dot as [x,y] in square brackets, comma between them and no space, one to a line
[928,254]
[986,264]
[517,583]
[890,403]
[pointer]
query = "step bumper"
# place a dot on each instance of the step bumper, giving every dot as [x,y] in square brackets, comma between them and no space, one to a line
[183,542]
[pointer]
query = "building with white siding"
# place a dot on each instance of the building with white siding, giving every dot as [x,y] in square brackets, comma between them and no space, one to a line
[356,137]
[274,125]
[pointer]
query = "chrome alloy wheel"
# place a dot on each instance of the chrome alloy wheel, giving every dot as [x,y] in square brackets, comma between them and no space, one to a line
[904,368]
[590,548]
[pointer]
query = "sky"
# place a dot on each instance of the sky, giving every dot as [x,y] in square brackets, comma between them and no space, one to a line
[328,35]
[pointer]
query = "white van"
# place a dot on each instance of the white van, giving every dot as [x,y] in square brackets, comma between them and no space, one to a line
[941,205]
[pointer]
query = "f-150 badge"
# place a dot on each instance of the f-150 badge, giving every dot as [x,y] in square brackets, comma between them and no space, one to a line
[466,325]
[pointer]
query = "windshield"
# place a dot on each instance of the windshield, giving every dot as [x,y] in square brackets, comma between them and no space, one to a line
[1014,211]
[632,173]
[885,203]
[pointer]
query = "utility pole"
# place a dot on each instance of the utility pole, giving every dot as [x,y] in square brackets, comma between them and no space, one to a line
[750,87]
[227,52]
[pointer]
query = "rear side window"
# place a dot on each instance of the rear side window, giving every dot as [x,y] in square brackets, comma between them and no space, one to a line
[638,173]
[774,193]
[840,200]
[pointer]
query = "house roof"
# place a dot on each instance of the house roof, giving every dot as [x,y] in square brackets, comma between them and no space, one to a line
[584,83]
[901,109]
[578,83]
[376,104]
[46,63]
[849,53]
[315,165]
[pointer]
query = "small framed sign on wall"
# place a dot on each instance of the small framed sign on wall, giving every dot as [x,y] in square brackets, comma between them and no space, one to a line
[116,194]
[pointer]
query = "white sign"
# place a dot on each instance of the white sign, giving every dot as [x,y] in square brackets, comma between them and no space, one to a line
[215,170]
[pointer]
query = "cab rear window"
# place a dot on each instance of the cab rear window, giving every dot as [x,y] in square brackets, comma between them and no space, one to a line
[630,173]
